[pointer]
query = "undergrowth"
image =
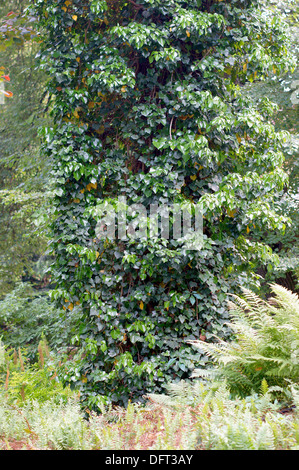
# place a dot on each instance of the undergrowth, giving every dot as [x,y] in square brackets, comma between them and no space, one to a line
[214,421]
[266,345]
[205,413]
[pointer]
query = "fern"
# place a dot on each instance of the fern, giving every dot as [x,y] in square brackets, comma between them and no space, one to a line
[266,344]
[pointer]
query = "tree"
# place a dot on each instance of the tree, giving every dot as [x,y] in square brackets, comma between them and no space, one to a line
[148,107]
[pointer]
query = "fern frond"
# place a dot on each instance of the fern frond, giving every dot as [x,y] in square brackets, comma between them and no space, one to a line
[205,373]
[163,400]
[266,342]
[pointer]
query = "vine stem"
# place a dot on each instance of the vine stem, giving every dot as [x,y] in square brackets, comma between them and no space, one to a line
[136,5]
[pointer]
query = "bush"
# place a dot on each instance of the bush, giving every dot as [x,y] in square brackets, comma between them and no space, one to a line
[266,345]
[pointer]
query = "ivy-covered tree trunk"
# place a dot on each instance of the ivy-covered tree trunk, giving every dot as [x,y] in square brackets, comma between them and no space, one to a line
[147,108]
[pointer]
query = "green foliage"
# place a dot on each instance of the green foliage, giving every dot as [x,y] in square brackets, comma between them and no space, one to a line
[147,105]
[16,26]
[265,347]
[23,381]
[49,425]
[24,183]
[39,413]
[283,91]
[26,316]
[213,422]
[223,423]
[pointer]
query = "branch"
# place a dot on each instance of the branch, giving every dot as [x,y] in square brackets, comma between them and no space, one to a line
[136,5]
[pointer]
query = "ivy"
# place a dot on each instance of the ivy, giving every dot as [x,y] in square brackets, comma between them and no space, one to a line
[148,110]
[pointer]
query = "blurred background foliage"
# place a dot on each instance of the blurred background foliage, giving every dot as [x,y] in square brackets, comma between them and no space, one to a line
[285,92]
[24,184]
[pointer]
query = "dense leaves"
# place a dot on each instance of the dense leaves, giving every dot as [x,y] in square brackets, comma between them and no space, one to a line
[284,90]
[27,316]
[16,26]
[147,106]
